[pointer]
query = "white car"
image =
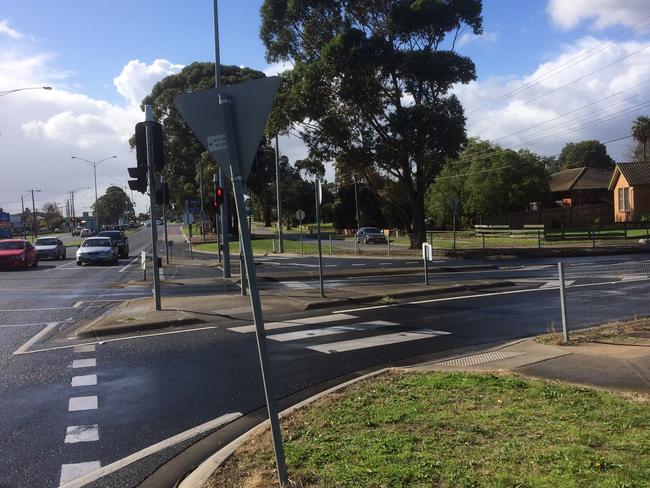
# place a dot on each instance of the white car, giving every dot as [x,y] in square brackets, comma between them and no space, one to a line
[97,250]
[85,233]
[49,247]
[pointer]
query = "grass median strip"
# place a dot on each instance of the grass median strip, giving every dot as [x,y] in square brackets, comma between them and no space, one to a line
[455,430]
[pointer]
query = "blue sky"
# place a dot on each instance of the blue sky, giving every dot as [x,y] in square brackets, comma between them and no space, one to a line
[103,56]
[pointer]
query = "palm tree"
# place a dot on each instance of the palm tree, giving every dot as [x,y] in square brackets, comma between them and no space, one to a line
[641,132]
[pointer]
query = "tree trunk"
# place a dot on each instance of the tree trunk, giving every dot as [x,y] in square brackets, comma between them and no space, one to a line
[267,216]
[418,236]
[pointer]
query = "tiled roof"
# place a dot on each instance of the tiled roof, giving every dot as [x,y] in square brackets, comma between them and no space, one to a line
[635,174]
[580,179]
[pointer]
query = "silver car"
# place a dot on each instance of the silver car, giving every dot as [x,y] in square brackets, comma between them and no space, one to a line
[50,248]
[97,250]
[370,234]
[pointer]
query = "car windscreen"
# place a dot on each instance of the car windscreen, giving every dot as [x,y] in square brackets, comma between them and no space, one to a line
[8,246]
[113,234]
[372,230]
[46,242]
[97,243]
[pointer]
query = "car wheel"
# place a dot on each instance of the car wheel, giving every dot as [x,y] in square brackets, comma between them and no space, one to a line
[79,263]
[365,241]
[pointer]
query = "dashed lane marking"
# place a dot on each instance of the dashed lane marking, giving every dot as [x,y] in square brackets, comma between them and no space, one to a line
[81,433]
[59,267]
[374,341]
[76,404]
[99,472]
[46,309]
[84,363]
[22,325]
[296,285]
[84,380]
[24,348]
[70,472]
[85,348]
[358,264]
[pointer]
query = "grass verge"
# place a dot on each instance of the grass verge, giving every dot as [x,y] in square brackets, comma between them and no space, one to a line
[455,430]
[631,332]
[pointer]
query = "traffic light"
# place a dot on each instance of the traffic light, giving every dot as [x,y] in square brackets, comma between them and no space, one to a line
[162,194]
[218,197]
[140,172]
[140,175]
[156,144]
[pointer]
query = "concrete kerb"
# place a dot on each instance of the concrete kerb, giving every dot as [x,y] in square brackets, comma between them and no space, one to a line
[199,476]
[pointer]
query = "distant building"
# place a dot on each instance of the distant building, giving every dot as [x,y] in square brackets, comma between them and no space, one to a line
[581,186]
[630,189]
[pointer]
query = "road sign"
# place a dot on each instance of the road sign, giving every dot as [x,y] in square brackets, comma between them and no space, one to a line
[193,205]
[188,219]
[300,215]
[454,202]
[251,105]
[143,260]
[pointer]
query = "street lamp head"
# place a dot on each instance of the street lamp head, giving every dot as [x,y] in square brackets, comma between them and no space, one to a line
[47,88]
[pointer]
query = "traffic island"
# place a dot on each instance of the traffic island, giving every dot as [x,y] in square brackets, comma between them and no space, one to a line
[422,429]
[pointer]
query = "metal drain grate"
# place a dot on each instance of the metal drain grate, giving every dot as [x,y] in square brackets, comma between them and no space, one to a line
[486,357]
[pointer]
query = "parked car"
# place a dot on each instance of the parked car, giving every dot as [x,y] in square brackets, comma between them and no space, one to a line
[50,248]
[120,240]
[97,250]
[370,234]
[17,253]
[76,231]
[86,233]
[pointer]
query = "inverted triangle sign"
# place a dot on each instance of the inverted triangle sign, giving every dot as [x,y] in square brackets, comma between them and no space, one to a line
[252,102]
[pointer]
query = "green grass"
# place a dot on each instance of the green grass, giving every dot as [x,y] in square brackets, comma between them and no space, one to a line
[265,246]
[457,430]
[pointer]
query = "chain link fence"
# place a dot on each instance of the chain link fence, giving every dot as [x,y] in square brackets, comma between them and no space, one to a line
[598,294]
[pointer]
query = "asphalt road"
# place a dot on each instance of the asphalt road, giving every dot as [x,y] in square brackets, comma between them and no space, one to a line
[137,391]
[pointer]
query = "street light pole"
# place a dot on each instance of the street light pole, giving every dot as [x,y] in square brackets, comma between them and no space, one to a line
[356,200]
[22,205]
[7,92]
[94,164]
[277,189]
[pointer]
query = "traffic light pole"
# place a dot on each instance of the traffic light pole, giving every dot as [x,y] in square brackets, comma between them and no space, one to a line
[148,110]
[164,216]
[277,190]
[225,227]
[215,183]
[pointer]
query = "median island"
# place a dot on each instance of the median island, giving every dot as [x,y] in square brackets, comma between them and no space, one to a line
[424,429]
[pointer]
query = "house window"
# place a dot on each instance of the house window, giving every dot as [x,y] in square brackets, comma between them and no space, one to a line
[623,199]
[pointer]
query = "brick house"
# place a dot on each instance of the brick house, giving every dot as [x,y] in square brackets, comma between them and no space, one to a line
[630,185]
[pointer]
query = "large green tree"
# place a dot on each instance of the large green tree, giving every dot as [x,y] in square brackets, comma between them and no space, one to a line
[369,88]
[487,180]
[114,205]
[641,134]
[592,154]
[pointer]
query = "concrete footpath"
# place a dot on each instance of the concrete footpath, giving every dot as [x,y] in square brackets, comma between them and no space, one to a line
[621,368]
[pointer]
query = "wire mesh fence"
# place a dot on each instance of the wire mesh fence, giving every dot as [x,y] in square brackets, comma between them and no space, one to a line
[600,294]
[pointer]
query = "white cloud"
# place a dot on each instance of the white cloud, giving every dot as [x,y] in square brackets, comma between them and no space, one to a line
[41,130]
[568,14]
[470,38]
[615,95]
[137,78]
[8,31]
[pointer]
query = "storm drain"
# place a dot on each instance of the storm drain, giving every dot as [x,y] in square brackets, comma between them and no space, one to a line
[486,357]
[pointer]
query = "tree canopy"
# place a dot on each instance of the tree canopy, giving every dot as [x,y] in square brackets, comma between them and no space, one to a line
[487,180]
[641,134]
[369,88]
[591,153]
[114,205]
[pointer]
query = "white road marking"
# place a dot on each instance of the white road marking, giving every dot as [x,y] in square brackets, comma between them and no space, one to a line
[556,283]
[23,349]
[77,404]
[322,319]
[385,264]
[84,363]
[59,267]
[132,262]
[183,436]
[85,348]
[84,380]
[296,285]
[70,472]
[326,331]
[77,305]
[22,325]
[81,433]
[358,264]
[412,262]
[374,341]
[46,309]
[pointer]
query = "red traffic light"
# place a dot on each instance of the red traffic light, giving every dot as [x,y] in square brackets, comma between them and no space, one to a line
[218,197]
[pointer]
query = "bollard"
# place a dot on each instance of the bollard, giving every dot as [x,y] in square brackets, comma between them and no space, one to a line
[565,330]
[330,244]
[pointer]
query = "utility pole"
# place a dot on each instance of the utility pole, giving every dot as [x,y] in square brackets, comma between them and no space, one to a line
[34,222]
[22,205]
[164,216]
[277,189]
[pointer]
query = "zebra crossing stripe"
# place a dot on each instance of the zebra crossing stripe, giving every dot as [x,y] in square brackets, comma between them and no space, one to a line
[326,331]
[321,319]
[374,341]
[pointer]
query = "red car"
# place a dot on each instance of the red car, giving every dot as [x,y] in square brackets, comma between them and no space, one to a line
[17,253]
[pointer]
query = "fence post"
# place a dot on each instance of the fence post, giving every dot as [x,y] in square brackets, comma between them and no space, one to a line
[565,330]
[330,244]
[355,246]
[625,229]
[539,239]
[388,241]
[483,234]
[593,238]
[562,227]
[431,239]
[647,229]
